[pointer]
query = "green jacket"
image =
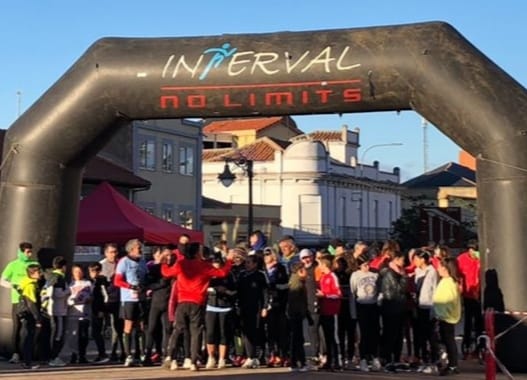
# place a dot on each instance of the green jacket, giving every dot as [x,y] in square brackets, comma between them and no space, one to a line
[15,271]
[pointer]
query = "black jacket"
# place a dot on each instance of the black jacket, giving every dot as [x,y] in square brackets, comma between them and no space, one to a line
[394,289]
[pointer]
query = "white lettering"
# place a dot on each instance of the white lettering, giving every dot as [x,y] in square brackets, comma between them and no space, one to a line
[260,61]
[339,61]
[235,61]
[289,68]
[323,58]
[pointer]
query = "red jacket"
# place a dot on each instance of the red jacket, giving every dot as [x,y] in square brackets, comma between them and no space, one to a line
[193,276]
[377,263]
[330,301]
[469,268]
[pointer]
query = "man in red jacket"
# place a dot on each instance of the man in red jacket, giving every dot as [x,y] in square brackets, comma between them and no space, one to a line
[469,267]
[193,274]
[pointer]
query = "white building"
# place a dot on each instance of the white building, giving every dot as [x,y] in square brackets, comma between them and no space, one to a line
[315,178]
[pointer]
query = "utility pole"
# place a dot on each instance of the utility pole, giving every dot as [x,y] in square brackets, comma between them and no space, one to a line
[424,124]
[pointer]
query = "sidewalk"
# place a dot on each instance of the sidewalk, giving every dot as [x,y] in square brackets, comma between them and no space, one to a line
[470,370]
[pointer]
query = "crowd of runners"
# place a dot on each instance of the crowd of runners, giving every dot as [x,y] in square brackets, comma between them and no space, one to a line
[252,305]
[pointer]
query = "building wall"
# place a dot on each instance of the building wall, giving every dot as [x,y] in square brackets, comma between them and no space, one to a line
[175,193]
[319,200]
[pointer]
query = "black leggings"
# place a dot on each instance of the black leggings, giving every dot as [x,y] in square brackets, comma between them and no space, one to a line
[347,328]
[277,332]
[251,332]
[157,318]
[392,336]
[218,327]
[447,332]
[368,316]
[329,325]
[425,335]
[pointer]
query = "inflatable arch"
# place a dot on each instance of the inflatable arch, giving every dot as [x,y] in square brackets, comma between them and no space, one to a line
[427,67]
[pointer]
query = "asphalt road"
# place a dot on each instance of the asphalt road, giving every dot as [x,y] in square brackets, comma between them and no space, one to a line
[470,371]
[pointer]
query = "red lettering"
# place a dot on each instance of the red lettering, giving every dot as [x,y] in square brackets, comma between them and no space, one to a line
[252,99]
[227,101]
[352,95]
[305,97]
[277,98]
[323,95]
[196,101]
[165,99]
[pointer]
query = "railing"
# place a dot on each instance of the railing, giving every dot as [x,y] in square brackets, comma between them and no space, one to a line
[309,233]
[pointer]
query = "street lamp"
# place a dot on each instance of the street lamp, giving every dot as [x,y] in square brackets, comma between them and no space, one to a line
[376,146]
[227,178]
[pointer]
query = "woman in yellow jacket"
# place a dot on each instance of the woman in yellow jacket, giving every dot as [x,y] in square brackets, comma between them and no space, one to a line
[447,309]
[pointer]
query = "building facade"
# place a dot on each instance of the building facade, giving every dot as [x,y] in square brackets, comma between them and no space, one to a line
[166,153]
[315,178]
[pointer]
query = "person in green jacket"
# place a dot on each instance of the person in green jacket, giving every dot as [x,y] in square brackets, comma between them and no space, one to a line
[447,309]
[11,277]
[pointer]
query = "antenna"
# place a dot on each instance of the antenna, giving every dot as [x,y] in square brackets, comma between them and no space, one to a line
[19,103]
[424,124]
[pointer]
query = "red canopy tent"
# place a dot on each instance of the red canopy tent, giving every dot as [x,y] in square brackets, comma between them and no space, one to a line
[105,215]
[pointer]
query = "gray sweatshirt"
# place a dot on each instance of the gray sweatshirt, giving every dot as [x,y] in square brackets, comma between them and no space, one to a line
[426,282]
[364,286]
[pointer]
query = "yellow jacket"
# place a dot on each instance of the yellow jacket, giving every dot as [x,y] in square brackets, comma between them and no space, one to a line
[447,301]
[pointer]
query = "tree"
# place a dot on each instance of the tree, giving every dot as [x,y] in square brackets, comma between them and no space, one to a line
[406,229]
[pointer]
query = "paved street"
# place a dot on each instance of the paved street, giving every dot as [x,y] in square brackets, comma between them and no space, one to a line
[470,371]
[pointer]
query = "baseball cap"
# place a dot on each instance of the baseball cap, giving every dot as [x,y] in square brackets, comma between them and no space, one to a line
[305,253]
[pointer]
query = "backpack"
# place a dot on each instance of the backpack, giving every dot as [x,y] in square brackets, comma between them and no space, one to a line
[22,309]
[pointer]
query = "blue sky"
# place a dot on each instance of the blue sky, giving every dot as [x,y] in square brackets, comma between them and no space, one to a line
[41,39]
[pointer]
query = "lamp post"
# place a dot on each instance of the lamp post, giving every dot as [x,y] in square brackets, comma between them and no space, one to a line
[376,146]
[227,178]
[368,193]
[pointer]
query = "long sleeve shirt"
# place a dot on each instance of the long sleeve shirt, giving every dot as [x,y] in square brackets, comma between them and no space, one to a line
[193,276]
[364,286]
[426,283]
[447,301]
[331,294]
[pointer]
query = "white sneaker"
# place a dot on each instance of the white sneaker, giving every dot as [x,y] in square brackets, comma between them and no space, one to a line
[129,361]
[211,363]
[303,369]
[222,363]
[251,363]
[15,359]
[173,365]
[430,370]
[166,362]
[376,365]
[364,366]
[57,362]
[193,367]
[187,363]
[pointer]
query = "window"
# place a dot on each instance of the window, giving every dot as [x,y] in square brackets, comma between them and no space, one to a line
[186,216]
[168,213]
[167,160]
[147,154]
[186,160]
